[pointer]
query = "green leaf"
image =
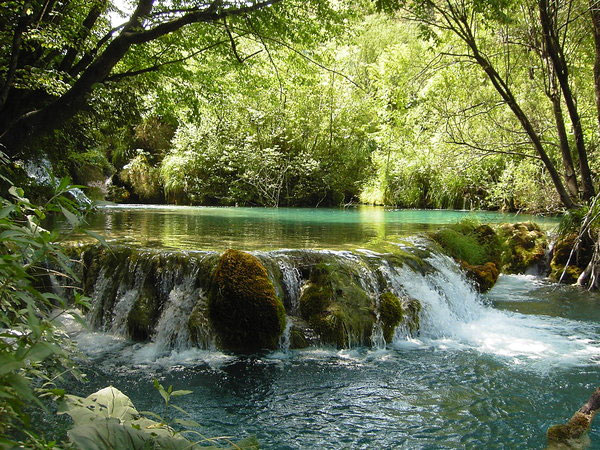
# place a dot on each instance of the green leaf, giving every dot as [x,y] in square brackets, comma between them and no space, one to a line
[5,212]
[180,393]
[41,351]
[188,423]
[71,218]
[97,236]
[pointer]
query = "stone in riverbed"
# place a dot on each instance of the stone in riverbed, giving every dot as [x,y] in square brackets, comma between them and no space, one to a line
[524,244]
[336,306]
[484,275]
[243,307]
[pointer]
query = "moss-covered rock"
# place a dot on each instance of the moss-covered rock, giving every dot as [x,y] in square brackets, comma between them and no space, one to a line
[577,263]
[469,242]
[336,306]
[243,307]
[144,314]
[411,311]
[301,334]
[199,327]
[484,275]
[524,244]
[390,314]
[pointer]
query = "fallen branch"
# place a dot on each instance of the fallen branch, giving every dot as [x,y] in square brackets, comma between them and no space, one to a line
[567,435]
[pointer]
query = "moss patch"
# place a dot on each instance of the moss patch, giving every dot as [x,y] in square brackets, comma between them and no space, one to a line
[390,314]
[336,306]
[484,275]
[243,307]
[524,244]
[470,242]
[560,257]
[143,316]
[411,308]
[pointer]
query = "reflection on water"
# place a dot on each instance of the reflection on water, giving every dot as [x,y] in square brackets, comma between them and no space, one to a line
[269,228]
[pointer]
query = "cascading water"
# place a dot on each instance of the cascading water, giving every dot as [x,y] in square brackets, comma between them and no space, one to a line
[466,379]
[453,313]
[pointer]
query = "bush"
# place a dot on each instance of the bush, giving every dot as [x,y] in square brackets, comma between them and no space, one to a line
[33,352]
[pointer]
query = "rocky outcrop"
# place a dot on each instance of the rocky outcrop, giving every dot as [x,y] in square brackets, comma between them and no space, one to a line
[336,306]
[567,265]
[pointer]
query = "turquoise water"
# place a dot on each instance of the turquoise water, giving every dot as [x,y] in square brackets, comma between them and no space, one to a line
[210,228]
[495,374]
[492,371]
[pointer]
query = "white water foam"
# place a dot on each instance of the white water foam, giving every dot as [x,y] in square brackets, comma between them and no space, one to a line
[455,317]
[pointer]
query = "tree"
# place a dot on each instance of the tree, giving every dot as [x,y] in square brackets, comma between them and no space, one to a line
[554,46]
[66,49]
[470,22]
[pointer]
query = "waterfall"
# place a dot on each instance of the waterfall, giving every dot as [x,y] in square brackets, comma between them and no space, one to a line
[162,296]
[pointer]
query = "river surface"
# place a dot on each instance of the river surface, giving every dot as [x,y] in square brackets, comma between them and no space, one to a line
[212,228]
[491,371]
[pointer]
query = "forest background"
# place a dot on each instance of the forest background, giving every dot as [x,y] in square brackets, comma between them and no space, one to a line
[426,104]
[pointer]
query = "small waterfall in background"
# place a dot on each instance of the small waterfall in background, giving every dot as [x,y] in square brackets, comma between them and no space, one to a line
[42,172]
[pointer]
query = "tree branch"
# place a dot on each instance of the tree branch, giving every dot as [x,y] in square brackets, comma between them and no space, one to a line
[131,73]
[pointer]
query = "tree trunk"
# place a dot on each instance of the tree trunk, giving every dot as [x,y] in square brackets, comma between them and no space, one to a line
[590,277]
[460,22]
[595,12]
[565,150]
[507,95]
[34,124]
[562,73]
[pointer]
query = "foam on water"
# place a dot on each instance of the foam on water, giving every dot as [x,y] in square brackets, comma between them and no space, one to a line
[455,317]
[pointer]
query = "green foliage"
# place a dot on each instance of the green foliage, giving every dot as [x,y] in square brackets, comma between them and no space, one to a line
[107,419]
[470,242]
[33,352]
[141,178]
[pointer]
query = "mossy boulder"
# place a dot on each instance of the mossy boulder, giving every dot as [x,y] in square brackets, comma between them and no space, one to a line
[524,244]
[470,242]
[577,263]
[390,314]
[477,248]
[199,327]
[484,275]
[243,307]
[301,334]
[144,314]
[336,306]
[411,308]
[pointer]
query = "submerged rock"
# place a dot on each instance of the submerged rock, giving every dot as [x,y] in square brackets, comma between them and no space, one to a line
[243,307]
